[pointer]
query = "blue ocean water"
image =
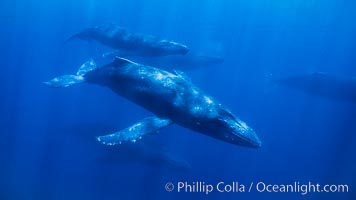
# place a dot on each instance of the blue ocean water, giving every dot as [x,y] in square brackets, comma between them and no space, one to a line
[48,148]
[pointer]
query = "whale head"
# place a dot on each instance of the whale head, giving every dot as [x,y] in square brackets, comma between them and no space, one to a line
[241,134]
[236,131]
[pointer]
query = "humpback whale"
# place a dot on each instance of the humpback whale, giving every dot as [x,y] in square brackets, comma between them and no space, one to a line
[171,97]
[131,43]
[176,62]
[321,84]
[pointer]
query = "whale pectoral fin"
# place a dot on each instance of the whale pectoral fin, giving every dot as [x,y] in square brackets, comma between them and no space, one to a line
[135,132]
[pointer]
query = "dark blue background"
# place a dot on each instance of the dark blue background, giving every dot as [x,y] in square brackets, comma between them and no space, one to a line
[47,144]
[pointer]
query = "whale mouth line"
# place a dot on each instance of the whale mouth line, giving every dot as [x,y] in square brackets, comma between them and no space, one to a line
[255,143]
[238,132]
[251,140]
[244,136]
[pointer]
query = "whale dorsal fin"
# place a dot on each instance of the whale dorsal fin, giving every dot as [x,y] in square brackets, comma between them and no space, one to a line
[119,61]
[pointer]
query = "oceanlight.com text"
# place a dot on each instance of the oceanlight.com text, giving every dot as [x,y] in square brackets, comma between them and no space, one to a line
[261,187]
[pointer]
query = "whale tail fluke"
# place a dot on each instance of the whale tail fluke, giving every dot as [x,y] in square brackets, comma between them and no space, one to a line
[69,80]
[88,66]
[64,81]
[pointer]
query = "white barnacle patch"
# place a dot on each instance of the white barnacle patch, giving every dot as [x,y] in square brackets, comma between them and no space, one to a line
[195,92]
[142,71]
[239,126]
[158,76]
[243,126]
[208,100]
[196,109]
[167,82]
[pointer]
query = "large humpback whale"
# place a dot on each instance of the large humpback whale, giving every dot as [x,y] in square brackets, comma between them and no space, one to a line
[321,84]
[171,97]
[131,43]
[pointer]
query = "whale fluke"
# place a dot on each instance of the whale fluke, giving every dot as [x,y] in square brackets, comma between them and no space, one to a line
[88,66]
[69,80]
[135,132]
[64,81]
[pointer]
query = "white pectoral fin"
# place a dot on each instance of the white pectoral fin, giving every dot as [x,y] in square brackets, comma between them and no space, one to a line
[135,132]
